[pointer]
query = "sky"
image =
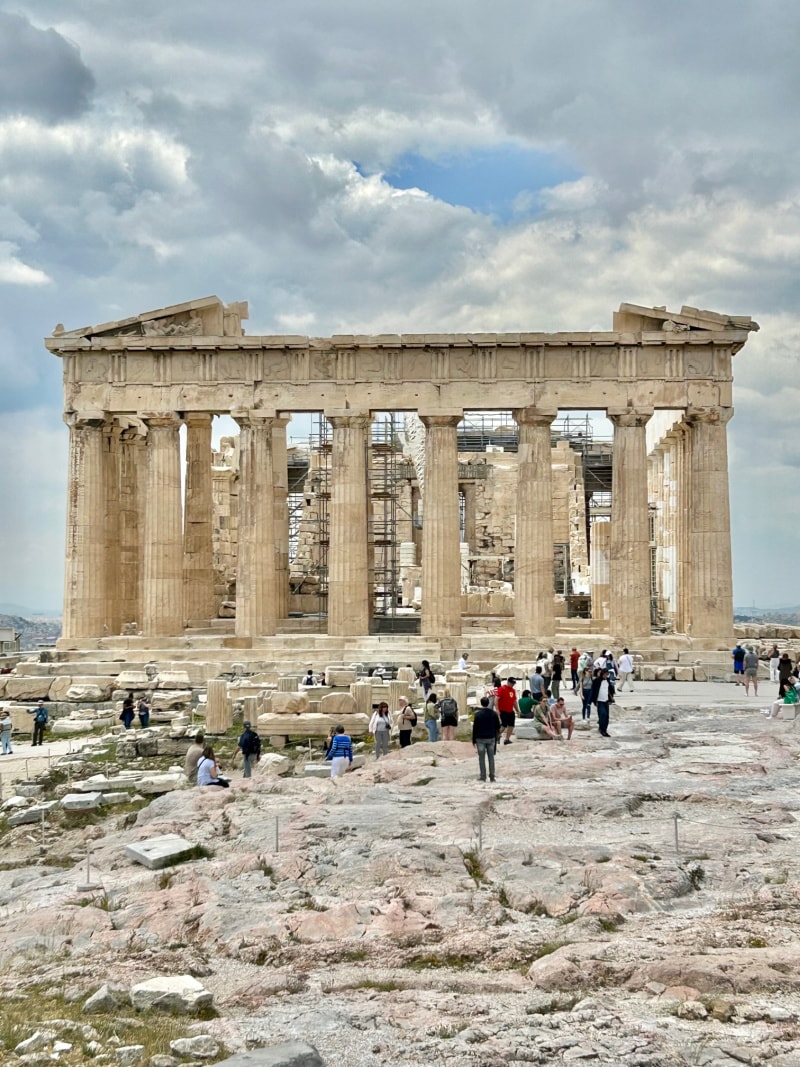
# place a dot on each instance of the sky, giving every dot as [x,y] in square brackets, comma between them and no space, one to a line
[364,166]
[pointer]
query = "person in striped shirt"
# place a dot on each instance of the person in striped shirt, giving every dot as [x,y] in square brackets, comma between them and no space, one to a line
[340,753]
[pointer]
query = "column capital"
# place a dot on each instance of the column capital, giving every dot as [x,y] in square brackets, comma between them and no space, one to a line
[440,419]
[712,415]
[629,418]
[197,418]
[346,419]
[533,416]
[263,417]
[161,418]
[80,419]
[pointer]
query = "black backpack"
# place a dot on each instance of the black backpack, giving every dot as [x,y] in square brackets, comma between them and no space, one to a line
[448,707]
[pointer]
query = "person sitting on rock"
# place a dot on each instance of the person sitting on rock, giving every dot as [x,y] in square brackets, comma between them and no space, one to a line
[309,678]
[542,724]
[208,770]
[561,718]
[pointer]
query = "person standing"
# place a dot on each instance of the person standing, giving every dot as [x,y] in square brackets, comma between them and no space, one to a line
[574,659]
[193,754]
[250,747]
[537,683]
[143,711]
[602,698]
[785,670]
[738,655]
[774,657]
[491,690]
[508,707]
[340,754]
[40,720]
[407,720]
[448,716]
[6,726]
[128,706]
[426,678]
[462,663]
[432,717]
[625,670]
[586,693]
[484,738]
[750,664]
[380,727]
[557,674]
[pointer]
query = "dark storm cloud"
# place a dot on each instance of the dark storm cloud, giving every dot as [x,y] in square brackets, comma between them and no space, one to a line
[41,73]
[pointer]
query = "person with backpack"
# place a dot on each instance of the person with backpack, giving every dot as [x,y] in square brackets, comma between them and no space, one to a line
[448,712]
[250,747]
[40,721]
[406,721]
[432,717]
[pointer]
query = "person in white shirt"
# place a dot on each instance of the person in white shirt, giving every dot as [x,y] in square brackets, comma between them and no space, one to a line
[462,663]
[625,670]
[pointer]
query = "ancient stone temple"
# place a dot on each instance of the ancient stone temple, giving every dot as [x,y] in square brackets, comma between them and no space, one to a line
[148,528]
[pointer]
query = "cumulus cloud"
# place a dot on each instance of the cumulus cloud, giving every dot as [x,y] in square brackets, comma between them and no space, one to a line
[41,73]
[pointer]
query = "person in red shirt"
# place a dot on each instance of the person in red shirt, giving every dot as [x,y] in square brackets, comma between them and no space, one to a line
[574,656]
[506,704]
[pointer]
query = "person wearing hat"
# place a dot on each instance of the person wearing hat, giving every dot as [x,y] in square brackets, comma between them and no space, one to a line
[250,747]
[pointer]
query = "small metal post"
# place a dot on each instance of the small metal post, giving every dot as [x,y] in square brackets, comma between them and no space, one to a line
[277,836]
[42,846]
[676,816]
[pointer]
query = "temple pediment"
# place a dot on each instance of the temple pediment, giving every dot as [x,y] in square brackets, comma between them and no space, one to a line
[206,317]
[633,317]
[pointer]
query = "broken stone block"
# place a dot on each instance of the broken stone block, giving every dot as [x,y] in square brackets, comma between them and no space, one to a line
[180,994]
[90,692]
[684,674]
[82,801]
[272,763]
[31,815]
[103,1002]
[158,852]
[700,674]
[71,726]
[202,1047]
[338,705]
[289,1054]
[340,675]
[28,789]
[665,674]
[323,770]
[132,680]
[174,680]
[289,703]
[161,783]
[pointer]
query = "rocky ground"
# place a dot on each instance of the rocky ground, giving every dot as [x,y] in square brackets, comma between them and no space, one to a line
[411,915]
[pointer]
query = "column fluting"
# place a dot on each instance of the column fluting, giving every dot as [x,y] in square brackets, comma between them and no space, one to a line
[85,556]
[198,525]
[256,570]
[162,578]
[629,565]
[534,614]
[349,569]
[441,559]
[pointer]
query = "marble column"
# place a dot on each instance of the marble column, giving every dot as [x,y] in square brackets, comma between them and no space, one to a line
[600,551]
[630,529]
[441,560]
[198,521]
[162,578]
[112,519]
[257,565]
[348,554]
[711,589]
[683,497]
[132,495]
[85,556]
[534,614]
[281,476]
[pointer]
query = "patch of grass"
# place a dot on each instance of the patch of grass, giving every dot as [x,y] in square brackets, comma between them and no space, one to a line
[570,917]
[353,955]
[640,858]
[546,949]
[454,960]
[388,985]
[165,879]
[604,859]
[536,907]
[474,866]
[610,923]
[37,1004]
[757,942]
[199,852]
[453,1030]
[696,876]
[423,781]
[502,897]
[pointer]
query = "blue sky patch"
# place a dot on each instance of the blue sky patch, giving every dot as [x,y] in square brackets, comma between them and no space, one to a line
[500,181]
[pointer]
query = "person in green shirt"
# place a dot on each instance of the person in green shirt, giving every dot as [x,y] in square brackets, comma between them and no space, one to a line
[526,705]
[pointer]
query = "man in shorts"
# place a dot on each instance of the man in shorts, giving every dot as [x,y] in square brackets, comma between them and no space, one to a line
[506,703]
[738,655]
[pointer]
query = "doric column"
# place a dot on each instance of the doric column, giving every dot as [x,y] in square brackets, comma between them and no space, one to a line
[630,528]
[198,554]
[256,571]
[111,476]
[682,496]
[281,476]
[533,551]
[441,560]
[711,597]
[132,496]
[85,558]
[599,553]
[348,554]
[162,576]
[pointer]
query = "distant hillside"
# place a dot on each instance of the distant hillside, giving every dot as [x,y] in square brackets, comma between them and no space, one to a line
[35,632]
[788,616]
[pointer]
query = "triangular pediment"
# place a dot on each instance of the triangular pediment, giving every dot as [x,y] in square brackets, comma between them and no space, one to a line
[206,317]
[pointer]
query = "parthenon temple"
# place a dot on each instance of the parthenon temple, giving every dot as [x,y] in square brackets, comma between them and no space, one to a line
[449,484]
